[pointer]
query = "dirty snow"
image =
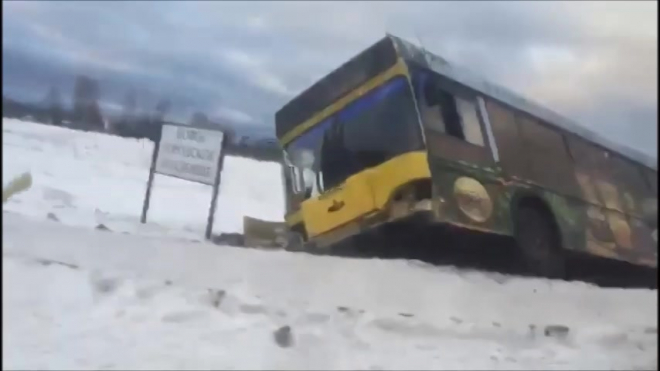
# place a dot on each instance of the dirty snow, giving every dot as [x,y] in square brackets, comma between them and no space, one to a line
[156,296]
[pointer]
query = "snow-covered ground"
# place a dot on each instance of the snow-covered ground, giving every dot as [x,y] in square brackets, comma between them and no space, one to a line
[91,178]
[156,296]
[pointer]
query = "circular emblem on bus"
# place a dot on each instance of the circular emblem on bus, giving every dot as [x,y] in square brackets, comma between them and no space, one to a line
[473,199]
[620,229]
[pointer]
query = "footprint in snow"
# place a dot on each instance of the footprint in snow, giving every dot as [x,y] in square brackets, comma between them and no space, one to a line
[104,285]
[215,297]
[283,337]
[102,227]
[46,262]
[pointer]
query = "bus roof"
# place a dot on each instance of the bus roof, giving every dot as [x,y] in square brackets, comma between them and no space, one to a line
[414,54]
[354,72]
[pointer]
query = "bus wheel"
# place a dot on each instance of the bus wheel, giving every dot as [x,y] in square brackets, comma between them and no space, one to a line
[294,242]
[539,242]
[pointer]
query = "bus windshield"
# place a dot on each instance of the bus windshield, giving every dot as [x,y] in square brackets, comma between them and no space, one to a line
[374,128]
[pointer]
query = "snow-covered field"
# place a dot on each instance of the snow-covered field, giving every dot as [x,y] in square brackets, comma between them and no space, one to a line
[91,178]
[156,296]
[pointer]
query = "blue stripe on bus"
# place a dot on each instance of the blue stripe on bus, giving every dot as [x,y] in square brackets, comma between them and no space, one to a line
[311,138]
[372,98]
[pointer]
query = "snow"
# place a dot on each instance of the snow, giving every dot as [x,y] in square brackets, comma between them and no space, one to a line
[157,296]
[90,178]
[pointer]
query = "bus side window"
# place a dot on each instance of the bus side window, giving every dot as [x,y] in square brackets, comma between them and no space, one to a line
[449,112]
[451,115]
[470,121]
[429,108]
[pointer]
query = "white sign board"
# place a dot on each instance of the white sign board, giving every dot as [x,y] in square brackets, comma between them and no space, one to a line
[189,153]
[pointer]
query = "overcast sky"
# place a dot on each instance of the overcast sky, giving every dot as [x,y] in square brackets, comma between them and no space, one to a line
[595,62]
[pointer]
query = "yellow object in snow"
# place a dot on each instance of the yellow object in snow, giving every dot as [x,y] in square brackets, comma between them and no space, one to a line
[17,185]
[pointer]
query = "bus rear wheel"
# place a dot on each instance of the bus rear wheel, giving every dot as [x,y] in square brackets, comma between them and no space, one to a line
[539,244]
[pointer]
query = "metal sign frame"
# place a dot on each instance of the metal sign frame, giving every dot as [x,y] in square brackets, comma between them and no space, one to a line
[215,185]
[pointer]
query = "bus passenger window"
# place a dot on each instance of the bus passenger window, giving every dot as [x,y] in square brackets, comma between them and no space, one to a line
[430,111]
[452,115]
[470,121]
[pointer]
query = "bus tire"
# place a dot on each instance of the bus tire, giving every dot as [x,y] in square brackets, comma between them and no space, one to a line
[294,242]
[539,242]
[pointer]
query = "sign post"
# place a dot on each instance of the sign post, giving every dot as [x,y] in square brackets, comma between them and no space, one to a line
[216,190]
[147,196]
[188,153]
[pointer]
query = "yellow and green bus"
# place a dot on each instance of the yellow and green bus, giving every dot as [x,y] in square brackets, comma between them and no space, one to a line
[399,135]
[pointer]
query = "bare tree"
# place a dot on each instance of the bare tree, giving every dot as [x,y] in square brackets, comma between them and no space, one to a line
[162,109]
[199,119]
[129,108]
[86,110]
[53,104]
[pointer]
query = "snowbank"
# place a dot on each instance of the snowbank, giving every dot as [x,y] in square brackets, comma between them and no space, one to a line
[155,296]
[120,301]
[89,178]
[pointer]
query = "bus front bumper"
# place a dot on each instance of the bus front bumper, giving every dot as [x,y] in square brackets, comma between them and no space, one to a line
[413,213]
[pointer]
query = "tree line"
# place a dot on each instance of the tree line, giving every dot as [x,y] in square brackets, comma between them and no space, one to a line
[86,114]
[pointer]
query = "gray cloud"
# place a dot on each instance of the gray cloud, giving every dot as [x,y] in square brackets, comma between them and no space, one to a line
[595,62]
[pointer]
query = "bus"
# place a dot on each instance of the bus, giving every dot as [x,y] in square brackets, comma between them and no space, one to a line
[398,135]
